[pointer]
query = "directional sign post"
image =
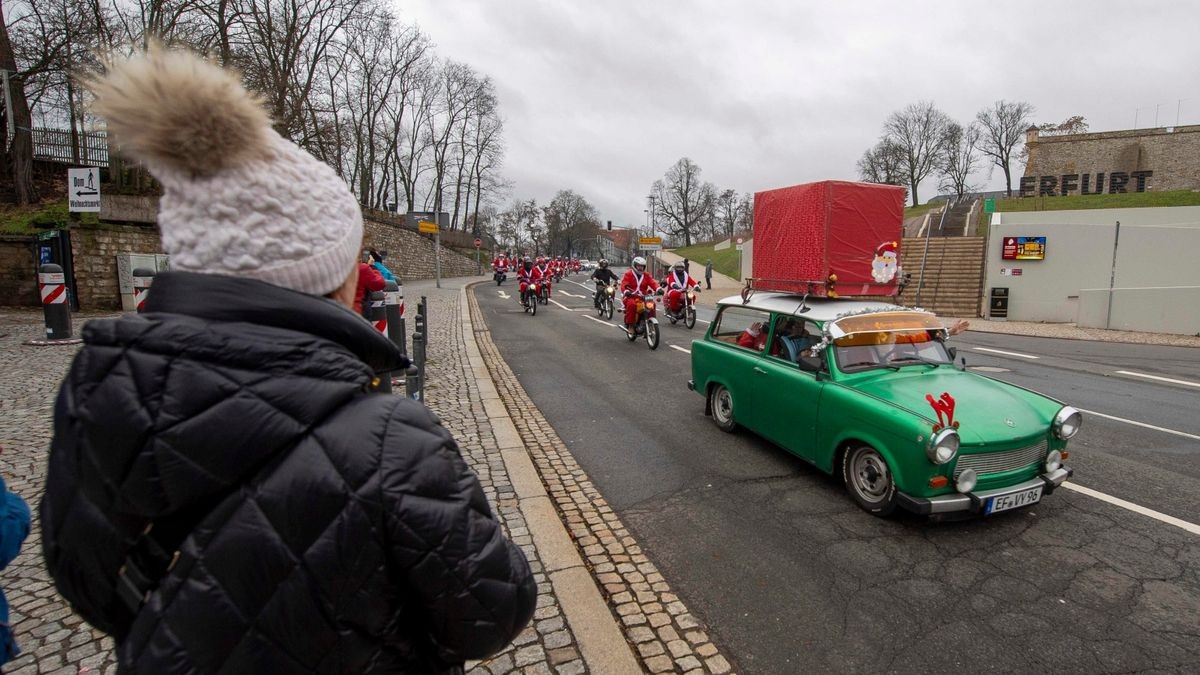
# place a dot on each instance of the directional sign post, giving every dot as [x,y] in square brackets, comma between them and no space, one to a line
[650,243]
[478,264]
[432,228]
[83,190]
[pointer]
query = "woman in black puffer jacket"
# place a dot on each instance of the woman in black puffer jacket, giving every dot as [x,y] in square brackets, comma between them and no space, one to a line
[225,493]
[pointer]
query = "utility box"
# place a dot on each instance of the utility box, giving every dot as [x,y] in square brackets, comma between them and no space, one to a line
[829,239]
[998,304]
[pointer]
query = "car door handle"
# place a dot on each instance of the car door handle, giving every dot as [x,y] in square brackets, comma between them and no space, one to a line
[760,371]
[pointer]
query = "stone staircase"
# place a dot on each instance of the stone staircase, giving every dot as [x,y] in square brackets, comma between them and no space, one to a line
[953,282]
[954,225]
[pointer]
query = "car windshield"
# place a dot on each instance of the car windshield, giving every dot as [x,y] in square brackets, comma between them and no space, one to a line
[888,340]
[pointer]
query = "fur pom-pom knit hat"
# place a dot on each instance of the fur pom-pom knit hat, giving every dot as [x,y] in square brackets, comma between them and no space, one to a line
[238,199]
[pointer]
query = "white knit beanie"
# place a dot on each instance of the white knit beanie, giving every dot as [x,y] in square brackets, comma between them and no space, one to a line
[238,199]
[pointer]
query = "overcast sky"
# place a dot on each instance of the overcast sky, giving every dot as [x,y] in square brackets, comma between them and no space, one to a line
[603,96]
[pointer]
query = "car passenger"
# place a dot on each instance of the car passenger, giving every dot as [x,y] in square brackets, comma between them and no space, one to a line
[753,337]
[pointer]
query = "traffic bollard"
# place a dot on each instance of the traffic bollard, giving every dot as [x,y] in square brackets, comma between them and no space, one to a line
[53,286]
[143,278]
[377,315]
[411,384]
[419,359]
[393,303]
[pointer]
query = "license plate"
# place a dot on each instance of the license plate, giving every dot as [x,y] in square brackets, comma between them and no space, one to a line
[1015,500]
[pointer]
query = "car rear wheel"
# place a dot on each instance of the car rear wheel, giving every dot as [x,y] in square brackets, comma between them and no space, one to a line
[720,402]
[869,480]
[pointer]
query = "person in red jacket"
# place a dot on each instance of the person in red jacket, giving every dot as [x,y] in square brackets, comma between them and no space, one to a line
[754,337]
[635,284]
[542,272]
[525,272]
[500,264]
[369,281]
[676,282]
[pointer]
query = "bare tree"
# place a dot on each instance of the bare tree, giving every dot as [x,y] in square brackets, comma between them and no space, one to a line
[882,164]
[569,219]
[1002,127]
[961,160]
[19,149]
[919,133]
[682,202]
[728,211]
[1075,124]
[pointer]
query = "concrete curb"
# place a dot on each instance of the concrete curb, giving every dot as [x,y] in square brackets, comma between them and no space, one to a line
[601,642]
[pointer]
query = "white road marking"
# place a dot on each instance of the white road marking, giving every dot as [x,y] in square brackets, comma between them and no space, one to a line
[504,295]
[1140,424]
[567,308]
[704,321]
[1001,351]
[570,295]
[602,323]
[1186,383]
[685,351]
[1130,506]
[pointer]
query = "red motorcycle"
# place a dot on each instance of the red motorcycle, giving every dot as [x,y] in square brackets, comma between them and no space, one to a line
[687,311]
[647,323]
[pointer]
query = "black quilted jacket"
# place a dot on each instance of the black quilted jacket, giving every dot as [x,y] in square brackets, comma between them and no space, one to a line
[347,535]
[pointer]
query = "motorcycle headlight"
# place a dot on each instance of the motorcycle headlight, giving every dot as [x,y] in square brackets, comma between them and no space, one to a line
[650,305]
[609,290]
[943,446]
[1067,422]
[692,296]
[535,287]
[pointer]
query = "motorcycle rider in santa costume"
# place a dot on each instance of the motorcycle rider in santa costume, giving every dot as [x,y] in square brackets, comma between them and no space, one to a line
[635,284]
[525,272]
[677,282]
[500,264]
[542,272]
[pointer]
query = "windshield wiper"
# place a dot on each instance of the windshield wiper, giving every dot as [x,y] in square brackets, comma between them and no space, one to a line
[922,359]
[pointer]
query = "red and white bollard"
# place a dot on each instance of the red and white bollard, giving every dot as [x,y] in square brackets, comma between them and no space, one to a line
[143,278]
[53,286]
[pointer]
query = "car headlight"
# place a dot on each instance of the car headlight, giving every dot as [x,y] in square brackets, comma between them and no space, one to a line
[943,446]
[1053,461]
[966,481]
[1067,422]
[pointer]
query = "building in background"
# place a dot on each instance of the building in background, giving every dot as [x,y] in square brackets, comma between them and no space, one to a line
[1112,162]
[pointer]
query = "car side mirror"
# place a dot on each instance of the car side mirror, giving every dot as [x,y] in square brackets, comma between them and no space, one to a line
[953,353]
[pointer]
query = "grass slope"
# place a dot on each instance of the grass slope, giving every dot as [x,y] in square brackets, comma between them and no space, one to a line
[29,220]
[725,262]
[1128,200]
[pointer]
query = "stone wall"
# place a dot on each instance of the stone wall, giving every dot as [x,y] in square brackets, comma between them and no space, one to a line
[1171,153]
[95,250]
[18,280]
[410,254]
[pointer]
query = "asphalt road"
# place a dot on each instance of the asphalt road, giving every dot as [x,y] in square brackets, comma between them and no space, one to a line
[790,576]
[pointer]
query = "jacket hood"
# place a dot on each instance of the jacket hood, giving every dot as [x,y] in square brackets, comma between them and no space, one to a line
[221,376]
[988,411]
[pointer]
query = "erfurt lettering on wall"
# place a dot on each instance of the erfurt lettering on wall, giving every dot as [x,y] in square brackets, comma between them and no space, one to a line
[1084,184]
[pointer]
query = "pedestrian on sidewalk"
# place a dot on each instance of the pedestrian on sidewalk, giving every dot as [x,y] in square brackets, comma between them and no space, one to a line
[377,258]
[708,274]
[14,528]
[225,492]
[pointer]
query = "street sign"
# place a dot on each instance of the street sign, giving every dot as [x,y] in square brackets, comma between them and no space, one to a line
[478,242]
[650,243]
[738,247]
[740,241]
[83,190]
[989,206]
[427,227]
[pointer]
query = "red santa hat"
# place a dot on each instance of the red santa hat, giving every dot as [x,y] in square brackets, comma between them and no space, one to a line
[887,247]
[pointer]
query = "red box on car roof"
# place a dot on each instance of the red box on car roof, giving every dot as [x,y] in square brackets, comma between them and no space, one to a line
[830,239]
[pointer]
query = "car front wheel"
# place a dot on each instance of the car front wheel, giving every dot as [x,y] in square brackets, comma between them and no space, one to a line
[869,480]
[720,401]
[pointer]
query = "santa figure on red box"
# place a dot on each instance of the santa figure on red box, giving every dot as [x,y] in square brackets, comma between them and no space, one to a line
[886,263]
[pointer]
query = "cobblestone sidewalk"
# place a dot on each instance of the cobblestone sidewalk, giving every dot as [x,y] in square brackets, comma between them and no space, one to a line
[55,640]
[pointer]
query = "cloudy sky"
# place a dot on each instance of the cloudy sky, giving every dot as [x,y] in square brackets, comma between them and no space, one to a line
[602,96]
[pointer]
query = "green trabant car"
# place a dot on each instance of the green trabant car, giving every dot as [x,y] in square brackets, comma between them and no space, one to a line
[871,390]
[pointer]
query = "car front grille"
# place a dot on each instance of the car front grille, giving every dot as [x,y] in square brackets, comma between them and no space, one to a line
[997,462]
